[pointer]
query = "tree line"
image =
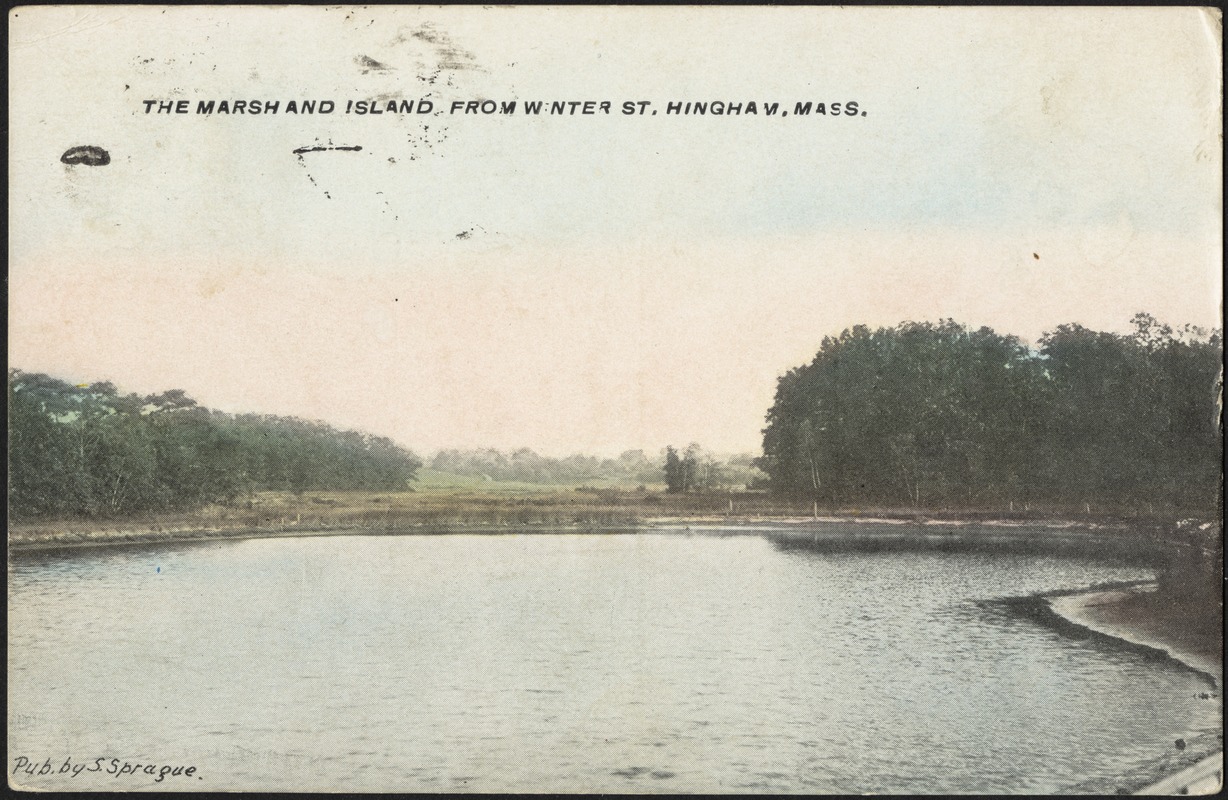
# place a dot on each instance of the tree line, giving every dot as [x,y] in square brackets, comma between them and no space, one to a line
[90,451]
[526,466]
[703,470]
[929,414]
[923,414]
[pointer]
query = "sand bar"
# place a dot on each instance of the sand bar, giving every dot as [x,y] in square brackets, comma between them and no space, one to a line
[1136,615]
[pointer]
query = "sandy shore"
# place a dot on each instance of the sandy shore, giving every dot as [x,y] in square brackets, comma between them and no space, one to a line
[1141,616]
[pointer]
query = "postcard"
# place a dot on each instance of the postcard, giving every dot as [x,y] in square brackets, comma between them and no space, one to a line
[615,399]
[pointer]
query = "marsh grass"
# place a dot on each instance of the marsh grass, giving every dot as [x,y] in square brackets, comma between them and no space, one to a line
[446,503]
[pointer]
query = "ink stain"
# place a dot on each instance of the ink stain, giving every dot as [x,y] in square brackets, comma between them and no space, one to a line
[158,570]
[322,148]
[427,33]
[448,56]
[468,233]
[299,152]
[1036,256]
[425,139]
[86,155]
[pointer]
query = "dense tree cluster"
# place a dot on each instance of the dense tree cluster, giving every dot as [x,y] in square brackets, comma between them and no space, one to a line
[91,451]
[937,414]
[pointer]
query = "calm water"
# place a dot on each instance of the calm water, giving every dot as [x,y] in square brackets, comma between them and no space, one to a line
[616,663]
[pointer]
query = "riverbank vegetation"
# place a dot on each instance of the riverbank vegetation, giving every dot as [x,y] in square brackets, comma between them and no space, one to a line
[87,451]
[632,468]
[919,419]
[526,466]
[939,415]
[442,503]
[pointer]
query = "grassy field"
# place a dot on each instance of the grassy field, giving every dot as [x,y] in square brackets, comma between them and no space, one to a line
[440,500]
[432,480]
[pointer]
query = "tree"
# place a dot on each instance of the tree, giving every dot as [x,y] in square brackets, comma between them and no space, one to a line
[675,472]
[691,464]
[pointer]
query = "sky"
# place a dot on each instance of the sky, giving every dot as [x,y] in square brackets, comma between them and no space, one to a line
[590,283]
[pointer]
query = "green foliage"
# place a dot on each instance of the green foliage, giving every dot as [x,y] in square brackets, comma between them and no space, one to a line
[89,451]
[675,472]
[698,470]
[930,414]
[493,468]
[526,466]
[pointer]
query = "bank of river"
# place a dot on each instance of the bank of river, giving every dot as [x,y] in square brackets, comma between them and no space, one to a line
[1139,616]
[580,509]
[74,533]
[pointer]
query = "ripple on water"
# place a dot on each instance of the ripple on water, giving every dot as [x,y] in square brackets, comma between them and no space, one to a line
[582,663]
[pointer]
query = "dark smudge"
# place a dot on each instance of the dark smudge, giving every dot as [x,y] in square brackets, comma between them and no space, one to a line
[369,64]
[86,155]
[449,55]
[320,149]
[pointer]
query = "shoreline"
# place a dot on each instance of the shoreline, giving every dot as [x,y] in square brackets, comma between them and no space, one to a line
[1100,610]
[74,534]
[1130,616]
[128,537]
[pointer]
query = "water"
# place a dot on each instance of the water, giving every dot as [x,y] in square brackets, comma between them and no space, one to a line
[582,663]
